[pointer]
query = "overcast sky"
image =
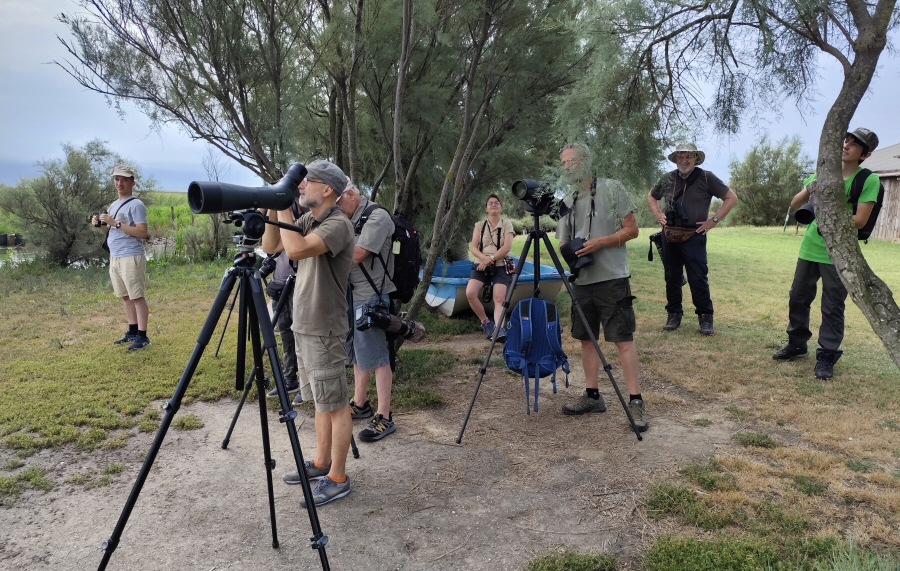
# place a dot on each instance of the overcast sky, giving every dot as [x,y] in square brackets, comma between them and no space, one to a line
[41,107]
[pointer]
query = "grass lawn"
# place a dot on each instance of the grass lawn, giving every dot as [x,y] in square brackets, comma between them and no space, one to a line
[820,461]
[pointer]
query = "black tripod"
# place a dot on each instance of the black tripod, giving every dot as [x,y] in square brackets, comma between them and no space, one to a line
[253,318]
[535,236]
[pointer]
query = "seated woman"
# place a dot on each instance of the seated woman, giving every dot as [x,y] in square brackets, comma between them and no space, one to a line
[492,240]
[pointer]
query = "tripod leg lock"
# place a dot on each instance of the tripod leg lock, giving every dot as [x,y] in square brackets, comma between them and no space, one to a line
[270,464]
[289,415]
[318,541]
[608,368]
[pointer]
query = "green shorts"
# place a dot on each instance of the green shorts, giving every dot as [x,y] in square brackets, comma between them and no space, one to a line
[608,304]
[322,359]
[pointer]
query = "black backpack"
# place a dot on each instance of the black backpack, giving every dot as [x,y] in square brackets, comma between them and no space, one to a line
[406,251]
[856,188]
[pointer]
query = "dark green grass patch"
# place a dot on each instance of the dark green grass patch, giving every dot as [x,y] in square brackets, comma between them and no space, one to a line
[415,384]
[710,476]
[862,466]
[187,422]
[569,561]
[809,485]
[755,439]
[30,478]
[725,554]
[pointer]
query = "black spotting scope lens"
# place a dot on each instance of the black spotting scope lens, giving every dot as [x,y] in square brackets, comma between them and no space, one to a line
[211,197]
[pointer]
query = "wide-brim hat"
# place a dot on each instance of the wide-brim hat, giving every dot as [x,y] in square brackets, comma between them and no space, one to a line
[687,148]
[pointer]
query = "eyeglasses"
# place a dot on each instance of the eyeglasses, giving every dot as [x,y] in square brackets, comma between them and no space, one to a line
[308,180]
[493,203]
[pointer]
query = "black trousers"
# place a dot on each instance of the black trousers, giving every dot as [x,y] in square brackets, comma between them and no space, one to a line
[688,256]
[803,293]
[285,320]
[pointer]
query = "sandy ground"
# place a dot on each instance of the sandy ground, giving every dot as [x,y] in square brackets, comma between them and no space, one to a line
[517,487]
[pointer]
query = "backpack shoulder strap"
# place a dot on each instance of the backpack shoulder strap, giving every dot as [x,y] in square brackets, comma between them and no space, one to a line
[364,217]
[856,187]
[525,325]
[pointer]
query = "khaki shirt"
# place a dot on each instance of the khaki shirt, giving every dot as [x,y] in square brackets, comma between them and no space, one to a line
[490,238]
[320,291]
[376,237]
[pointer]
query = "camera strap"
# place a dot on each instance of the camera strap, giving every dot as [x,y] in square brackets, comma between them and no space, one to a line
[491,235]
[122,205]
[590,214]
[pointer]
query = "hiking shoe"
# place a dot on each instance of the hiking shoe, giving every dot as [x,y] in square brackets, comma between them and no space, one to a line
[583,405]
[139,343]
[824,370]
[298,399]
[636,408]
[327,490]
[706,324]
[791,352]
[488,329]
[378,428]
[501,335]
[313,472]
[127,340]
[360,412]
[673,322]
[291,387]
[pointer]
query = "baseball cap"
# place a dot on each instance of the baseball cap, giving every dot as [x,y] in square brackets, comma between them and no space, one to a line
[123,170]
[329,173]
[868,139]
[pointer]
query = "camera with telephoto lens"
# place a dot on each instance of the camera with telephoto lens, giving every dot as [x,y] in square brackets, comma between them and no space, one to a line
[377,313]
[268,265]
[539,198]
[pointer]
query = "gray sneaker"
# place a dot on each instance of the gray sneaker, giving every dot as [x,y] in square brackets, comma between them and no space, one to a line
[313,472]
[327,490]
[488,328]
[583,405]
[360,412]
[378,428]
[636,408]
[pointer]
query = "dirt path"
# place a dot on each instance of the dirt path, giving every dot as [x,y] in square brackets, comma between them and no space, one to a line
[518,487]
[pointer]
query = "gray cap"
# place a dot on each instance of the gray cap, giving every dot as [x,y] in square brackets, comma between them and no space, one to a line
[687,148]
[329,173]
[866,137]
[123,170]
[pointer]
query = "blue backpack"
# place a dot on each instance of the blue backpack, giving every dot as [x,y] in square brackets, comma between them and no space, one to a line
[534,344]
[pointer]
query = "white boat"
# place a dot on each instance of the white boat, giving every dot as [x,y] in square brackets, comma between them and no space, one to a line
[447,290]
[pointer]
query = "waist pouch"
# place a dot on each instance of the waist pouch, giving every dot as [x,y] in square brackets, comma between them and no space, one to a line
[677,235]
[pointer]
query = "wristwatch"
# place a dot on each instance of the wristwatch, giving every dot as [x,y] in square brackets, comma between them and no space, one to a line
[118,224]
[716,219]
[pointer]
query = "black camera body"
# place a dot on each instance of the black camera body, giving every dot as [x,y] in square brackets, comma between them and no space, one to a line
[268,265]
[372,313]
[539,198]
[100,222]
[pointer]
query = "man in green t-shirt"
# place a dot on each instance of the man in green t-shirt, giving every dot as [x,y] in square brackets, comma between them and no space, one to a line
[814,263]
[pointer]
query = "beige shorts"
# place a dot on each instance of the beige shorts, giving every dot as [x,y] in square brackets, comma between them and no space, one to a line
[129,276]
[322,359]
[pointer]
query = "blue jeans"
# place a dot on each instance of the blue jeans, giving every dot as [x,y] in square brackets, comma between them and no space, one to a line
[689,256]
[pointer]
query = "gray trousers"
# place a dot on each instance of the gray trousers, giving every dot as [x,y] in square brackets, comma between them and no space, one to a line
[803,293]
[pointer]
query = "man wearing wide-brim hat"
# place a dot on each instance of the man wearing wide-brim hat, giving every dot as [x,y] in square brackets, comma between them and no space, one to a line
[688,192]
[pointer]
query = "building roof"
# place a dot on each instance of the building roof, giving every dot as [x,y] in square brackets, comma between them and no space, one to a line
[884,161]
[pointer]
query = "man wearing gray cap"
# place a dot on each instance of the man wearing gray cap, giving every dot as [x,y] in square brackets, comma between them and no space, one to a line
[126,230]
[323,250]
[815,263]
[688,191]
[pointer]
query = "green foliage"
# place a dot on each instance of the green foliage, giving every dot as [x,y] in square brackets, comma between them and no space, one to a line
[710,476]
[568,561]
[864,466]
[851,557]
[766,180]
[55,208]
[755,439]
[417,371]
[30,478]
[673,499]
[725,554]
[810,486]
[187,422]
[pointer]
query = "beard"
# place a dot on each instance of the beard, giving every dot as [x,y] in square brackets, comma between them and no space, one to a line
[310,203]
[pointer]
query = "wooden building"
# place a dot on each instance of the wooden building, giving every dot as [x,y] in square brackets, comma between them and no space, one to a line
[886,163]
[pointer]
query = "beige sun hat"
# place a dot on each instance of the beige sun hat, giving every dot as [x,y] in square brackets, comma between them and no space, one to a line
[687,148]
[123,170]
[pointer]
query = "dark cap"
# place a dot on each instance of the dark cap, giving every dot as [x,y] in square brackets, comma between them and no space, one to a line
[329,173]
[868,139]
